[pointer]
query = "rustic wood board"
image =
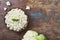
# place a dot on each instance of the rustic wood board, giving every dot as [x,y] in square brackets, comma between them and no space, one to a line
[44,17]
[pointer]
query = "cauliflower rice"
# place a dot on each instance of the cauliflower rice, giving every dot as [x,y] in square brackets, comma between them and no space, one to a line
[16,19]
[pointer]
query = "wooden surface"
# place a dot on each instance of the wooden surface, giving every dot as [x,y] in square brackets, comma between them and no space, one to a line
[44,17]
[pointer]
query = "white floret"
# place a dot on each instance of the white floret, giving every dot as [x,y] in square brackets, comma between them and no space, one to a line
[30,35]
[19,14]
[33,35]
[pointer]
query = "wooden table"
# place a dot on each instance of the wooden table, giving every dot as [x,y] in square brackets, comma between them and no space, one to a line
[44,17]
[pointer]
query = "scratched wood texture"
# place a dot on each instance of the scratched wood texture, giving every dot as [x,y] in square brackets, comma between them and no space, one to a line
[44,17]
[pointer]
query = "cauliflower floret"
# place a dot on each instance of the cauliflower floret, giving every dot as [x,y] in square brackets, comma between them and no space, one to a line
[32,35]
[16,19]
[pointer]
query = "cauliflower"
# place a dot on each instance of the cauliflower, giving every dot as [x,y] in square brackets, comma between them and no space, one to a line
[32,35]
[16,19]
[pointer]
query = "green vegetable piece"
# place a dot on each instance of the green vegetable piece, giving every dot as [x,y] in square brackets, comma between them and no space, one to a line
[41,37]
[15,19]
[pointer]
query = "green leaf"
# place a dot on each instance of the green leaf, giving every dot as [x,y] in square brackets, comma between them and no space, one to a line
[15,19]
[41,37]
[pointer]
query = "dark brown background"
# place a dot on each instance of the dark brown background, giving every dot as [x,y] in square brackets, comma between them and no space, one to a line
[48,23]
